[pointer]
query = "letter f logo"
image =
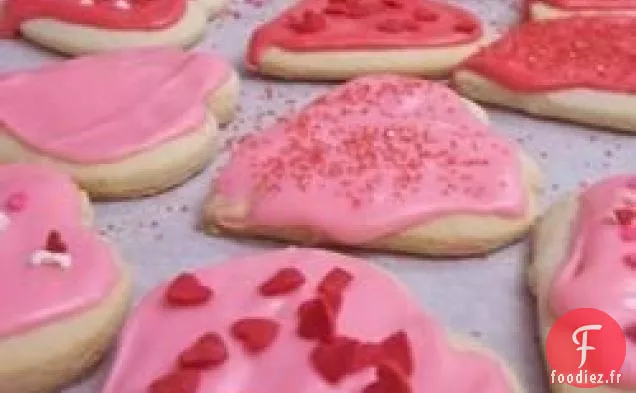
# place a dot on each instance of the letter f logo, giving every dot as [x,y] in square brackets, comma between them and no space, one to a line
[583,343]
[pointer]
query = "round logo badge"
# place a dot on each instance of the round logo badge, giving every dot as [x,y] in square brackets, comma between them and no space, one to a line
[585,348]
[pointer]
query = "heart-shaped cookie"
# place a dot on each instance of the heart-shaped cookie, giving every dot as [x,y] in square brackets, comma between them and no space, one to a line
[61,284]
[383,343]
[579,69]
[86,26]
[382,162]
[584,259]
[151,125]
[339,39]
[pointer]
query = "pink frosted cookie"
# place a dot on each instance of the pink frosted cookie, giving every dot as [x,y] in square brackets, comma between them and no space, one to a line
[340,39]
[87,26]
[123,124]
[291,321]
[584,258]
[550,9]
[385,162]
[63,291]
[579,69]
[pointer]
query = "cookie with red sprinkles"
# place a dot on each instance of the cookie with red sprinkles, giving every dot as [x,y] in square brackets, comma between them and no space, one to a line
[287,339]
[578,69]
[340,39]
[386,162]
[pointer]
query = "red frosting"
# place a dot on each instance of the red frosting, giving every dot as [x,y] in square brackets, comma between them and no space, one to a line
[583,52]
[314,25]
[110,14]
[592,4]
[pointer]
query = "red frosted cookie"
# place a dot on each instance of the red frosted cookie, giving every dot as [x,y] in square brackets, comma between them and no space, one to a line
[549,9]
[579,69]
[152,124]
[584,258]
[63,291]
[387,162]
[83,26]
[339,39]
[297,340]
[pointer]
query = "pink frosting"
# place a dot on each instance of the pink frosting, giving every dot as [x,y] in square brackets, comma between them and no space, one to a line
[374,307]
[36,201]
[106,107]
[371,158]
[599,255]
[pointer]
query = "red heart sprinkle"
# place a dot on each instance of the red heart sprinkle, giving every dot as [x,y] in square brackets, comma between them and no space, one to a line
[396,348]
[316,320]
[16,202]
[630,333]
[465,26]
[180,381]
[624,216]
[630,260]
[394,3]
[425,14]
[256,334]
[284,281]
[366,355]
[335,281]
[334,360]
[207,352]
[310,22]
[187,290]
[55,244]
[390,380]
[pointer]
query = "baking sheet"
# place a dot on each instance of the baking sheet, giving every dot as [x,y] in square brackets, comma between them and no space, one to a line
[484,297]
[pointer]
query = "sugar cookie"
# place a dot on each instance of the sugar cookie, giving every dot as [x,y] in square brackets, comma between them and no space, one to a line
[384,162]
[578,69]
[87,26]
[583,254]
[340,39]
[64,292]
[123,124]
[296,320]
[550,9]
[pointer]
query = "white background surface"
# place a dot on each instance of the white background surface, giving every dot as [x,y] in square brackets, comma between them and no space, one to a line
[484,297]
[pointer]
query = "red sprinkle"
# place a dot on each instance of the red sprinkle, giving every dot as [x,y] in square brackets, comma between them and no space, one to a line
[207,352]
[55,244]
[187,290]
[179,381]
[394,3]
[630,333]
[630,260]
[625,216]
[316,320]
[310,22]
[284,281]
[256,334]
[366,355]
[465,26]
[336,280]
[334,360]
[396,348]
[16,202]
